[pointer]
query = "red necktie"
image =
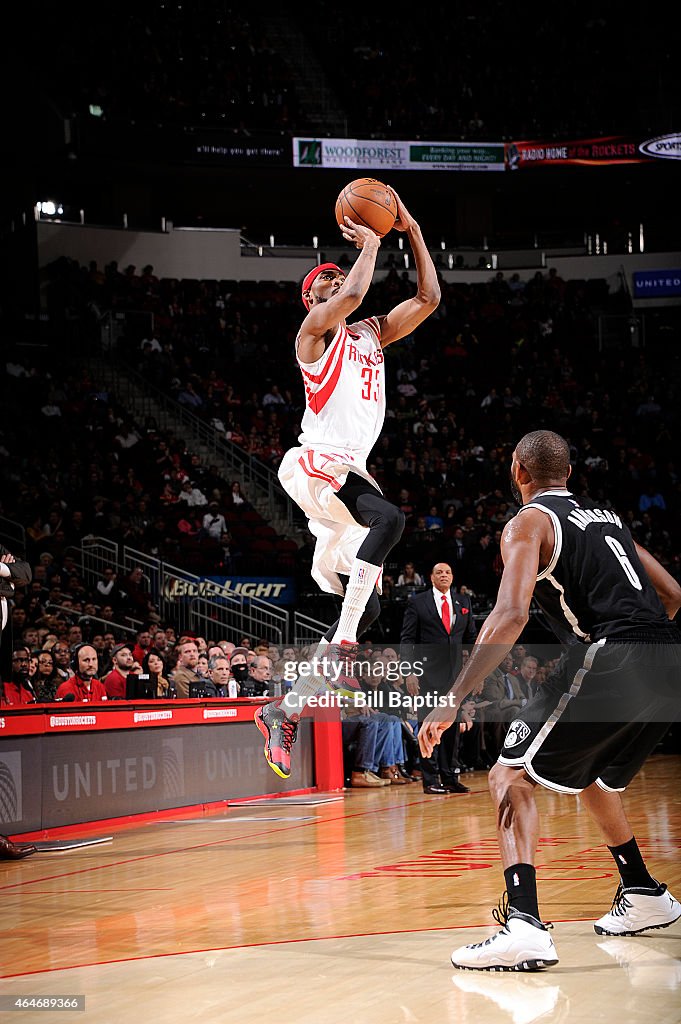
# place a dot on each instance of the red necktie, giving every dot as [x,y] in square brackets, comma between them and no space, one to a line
[446,618]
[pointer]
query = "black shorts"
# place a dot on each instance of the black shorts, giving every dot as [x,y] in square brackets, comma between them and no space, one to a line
[599,716]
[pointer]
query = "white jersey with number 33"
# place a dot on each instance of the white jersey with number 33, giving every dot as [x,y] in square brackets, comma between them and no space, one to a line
[345,390]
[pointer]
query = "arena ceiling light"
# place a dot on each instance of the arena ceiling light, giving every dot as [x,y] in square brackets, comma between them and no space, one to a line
[49,208]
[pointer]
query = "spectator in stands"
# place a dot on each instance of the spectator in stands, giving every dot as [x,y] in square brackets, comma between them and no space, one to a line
[434,520]
[409,577]
[526,678]
[185,672]
[47,679]
[74,635]
[152,663]
[137,601]
[18,689]
[191,495]
[214,522]
[502,697]
[161,644]
[227,647]
[62,658]
[83,684]
[651,498]
[236,496]
[115,681]
[238,667]
[218,676]
[259,676]
[187,395]
[364,741]
[143,644]
[127,437]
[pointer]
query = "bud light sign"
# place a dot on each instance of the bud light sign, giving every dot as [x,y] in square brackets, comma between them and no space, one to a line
[278,590]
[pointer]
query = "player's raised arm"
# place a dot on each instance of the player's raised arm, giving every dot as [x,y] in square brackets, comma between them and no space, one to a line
[668,590]
[406,316]
[332,297]
[521,548]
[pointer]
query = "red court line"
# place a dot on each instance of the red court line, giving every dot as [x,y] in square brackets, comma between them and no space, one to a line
[92,892]
[276,942]
[217,842]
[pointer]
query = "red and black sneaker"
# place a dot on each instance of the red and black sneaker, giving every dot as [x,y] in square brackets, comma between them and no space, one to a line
[340,660]
[280,734]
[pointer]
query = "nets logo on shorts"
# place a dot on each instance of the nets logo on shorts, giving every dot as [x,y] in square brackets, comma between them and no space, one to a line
[517,732]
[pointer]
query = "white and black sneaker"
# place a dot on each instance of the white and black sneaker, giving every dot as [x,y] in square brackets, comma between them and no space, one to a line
[637,910]
[523,944]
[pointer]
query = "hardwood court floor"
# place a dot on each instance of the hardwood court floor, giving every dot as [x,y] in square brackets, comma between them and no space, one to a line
[341,912]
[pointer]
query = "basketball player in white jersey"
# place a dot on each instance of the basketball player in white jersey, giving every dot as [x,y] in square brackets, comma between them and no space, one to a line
[342,366]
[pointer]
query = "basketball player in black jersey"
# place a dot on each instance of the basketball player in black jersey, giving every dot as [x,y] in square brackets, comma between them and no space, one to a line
[595,721]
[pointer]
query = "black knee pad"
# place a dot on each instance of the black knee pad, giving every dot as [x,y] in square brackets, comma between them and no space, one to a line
[369,508]
[385,522]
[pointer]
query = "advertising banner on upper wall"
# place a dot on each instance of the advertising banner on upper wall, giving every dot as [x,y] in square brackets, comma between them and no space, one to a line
[655,283]
[603,152]
[234,150]
[384,154]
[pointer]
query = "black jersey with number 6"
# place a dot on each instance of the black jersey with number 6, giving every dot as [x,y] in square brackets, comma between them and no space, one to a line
[594,585]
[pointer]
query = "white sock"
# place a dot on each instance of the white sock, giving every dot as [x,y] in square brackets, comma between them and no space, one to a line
[300,693]
[305,686]
[363,576]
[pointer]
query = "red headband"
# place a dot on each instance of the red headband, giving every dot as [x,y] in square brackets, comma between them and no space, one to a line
[312,276]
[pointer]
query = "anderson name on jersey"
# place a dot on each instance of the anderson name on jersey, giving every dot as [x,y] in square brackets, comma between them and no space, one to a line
[345,390]
[594,585]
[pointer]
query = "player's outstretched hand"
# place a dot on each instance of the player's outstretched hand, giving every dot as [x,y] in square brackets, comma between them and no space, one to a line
[358,234]
[430,732]
[404,218]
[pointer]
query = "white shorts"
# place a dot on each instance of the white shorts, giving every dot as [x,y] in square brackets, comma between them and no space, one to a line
[312,477]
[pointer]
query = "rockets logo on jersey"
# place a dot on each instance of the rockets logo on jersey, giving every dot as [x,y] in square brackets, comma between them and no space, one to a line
[344,389]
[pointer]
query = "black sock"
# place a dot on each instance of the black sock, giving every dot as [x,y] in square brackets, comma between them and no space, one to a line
[521,885]
[633,872]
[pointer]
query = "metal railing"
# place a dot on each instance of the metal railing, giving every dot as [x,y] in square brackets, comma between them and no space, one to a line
[208,615]
[184,598]
[13,536]
[95,555]
[307,630]
[131,387]
[107,624]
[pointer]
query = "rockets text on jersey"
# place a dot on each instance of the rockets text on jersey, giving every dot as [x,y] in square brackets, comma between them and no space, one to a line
[345,390]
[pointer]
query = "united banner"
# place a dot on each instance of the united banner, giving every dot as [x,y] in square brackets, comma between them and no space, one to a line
[655,283]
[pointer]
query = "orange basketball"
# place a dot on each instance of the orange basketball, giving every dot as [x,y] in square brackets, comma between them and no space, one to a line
[369,202]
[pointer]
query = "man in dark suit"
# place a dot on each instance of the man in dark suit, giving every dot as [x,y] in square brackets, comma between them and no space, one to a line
[436,623]
[13,572]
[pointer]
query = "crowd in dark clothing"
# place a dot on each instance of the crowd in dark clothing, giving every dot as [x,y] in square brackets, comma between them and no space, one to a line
[496,359]
[461,76]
